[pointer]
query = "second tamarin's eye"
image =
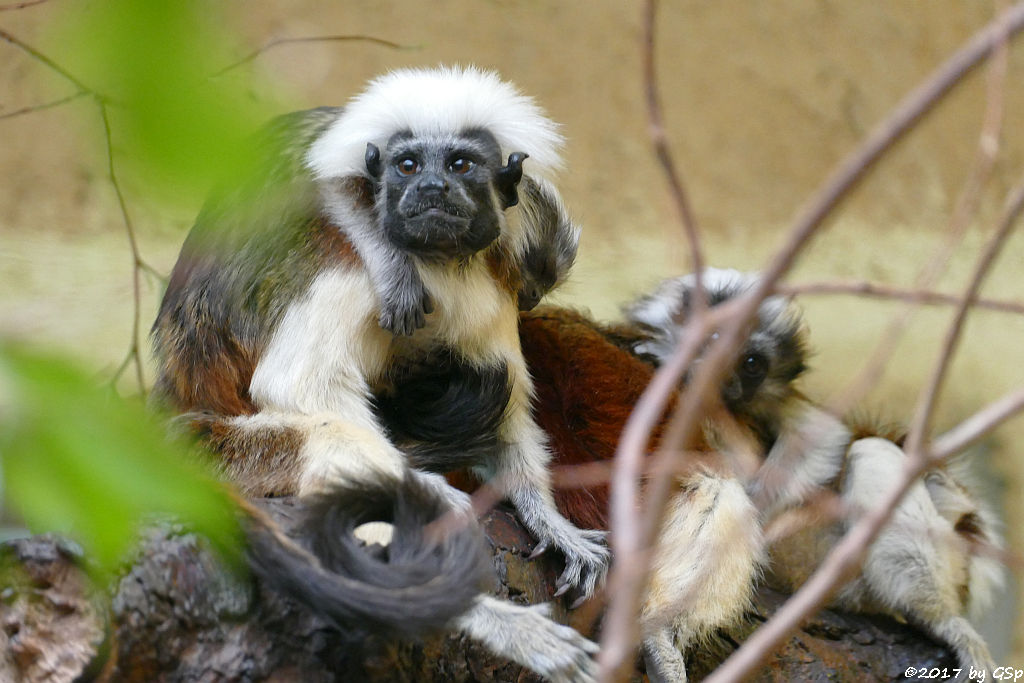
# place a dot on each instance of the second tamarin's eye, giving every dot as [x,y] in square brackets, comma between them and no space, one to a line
[461,165]
[754,366]
[408,166]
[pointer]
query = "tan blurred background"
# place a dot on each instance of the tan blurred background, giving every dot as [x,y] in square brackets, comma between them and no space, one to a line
[761,101]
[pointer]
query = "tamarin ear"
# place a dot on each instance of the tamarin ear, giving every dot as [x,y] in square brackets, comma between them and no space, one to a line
[508,177]
[373,165]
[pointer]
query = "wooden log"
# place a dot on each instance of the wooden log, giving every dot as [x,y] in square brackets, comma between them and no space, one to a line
[177,613]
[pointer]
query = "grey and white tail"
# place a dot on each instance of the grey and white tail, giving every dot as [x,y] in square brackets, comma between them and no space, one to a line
[423,579]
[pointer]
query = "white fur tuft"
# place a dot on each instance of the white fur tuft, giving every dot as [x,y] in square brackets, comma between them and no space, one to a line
[434,101]
[664,309]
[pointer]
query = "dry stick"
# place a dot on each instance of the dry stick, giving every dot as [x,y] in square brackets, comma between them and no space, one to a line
[619,632]
[629,547]
[920,296]
[589,474]
[40,57]
[965,209]
[926,405]
[311,39]
[22,5]
[973,428]
[656,128]
[135,352]
[627,581]
[45,105]
[843,560]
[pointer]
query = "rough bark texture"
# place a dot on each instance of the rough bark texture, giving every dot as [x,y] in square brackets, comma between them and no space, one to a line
[178,615]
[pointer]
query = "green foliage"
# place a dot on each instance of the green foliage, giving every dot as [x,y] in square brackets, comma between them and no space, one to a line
[84,462]
[179,124]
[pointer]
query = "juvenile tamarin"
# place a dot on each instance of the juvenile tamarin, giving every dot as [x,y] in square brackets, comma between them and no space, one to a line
[921,567]
[710,549]
[588,376]
[274,334]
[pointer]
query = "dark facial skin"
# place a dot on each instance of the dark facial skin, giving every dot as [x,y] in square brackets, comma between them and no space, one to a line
[442,195]
[751,370]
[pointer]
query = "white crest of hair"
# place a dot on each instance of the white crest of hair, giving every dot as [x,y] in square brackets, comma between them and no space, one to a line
[664,309]
[435,101]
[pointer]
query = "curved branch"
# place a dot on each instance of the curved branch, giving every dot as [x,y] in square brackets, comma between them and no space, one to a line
[49,63]
[45,105]
[21,5]
[311,39]
[844,558]
[926,404]
[965,209]
[877,291]
[135,351]
[658,139]
[627,588]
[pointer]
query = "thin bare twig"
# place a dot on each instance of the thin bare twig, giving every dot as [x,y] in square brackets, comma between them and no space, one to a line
[841,563]
[926,406]
[628,542]
[135,352]
[312,39]
[46,61]
[656,126]
[627,581]
[21,5]
[627,538]
[590,474]
[134,355]
[973,428]
[965,209]
[877,291]
[46,105]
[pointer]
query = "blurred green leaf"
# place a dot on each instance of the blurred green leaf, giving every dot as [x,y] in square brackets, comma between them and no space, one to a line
[154,61]
[84,462]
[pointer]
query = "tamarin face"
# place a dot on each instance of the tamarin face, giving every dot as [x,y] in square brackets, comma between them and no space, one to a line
[769,363]
[441,196]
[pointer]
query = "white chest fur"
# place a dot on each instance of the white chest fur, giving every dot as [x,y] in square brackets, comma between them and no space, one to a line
[328,350]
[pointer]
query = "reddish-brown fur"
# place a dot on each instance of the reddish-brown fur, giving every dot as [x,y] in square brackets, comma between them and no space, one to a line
[586,385]
[331,244]
[586,388]
[503,269]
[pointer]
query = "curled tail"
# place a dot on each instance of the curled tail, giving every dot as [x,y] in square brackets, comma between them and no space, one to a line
[424,578]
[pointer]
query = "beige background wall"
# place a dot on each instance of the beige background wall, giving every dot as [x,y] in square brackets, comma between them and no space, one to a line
[761,100]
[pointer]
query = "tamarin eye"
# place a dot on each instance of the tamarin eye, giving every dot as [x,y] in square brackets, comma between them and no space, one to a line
[754,366]
[461,166]
[408,166]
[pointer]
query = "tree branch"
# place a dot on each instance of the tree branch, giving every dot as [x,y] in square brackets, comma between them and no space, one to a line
[135,351]
[926,405]
[656,127]
[965,209]
[21,5]
[626,584]
[311,39]
[878,291]
[46,105]
[841,563]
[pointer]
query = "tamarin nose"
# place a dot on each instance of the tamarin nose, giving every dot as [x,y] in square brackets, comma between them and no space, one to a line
[433,185]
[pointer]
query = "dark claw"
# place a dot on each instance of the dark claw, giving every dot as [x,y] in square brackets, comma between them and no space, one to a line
[539,549]
[428,304]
